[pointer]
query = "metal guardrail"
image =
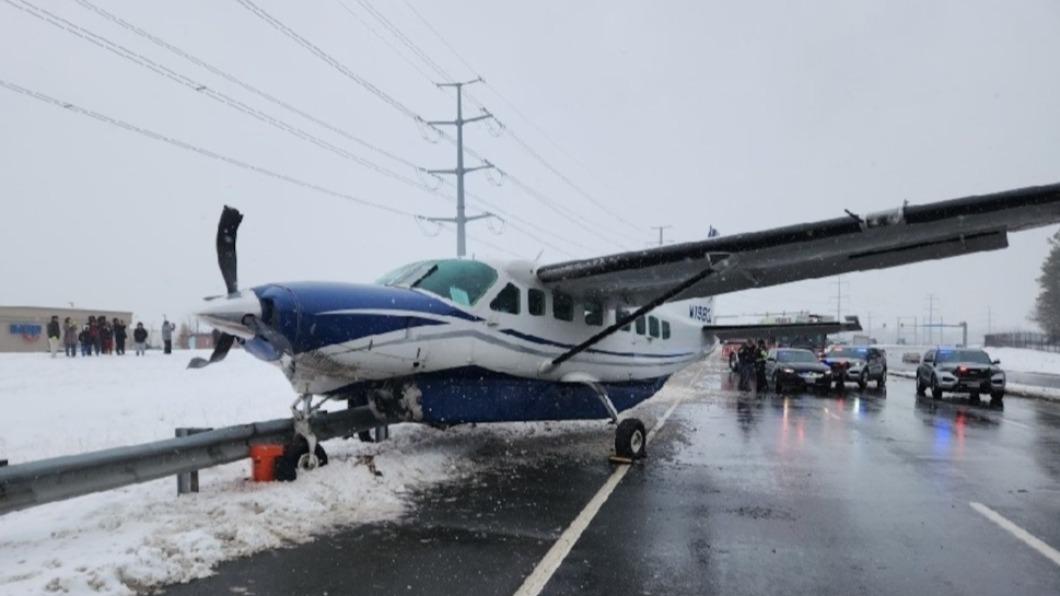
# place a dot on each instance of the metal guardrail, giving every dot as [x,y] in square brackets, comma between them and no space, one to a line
[35,483]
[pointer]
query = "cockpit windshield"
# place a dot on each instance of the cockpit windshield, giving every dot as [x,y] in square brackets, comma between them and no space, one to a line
[463,282]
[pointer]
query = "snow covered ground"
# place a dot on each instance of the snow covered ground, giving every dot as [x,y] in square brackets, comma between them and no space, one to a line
[122,541]
[1012,359]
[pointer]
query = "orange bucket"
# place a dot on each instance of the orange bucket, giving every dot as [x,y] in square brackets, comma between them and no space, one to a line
[263,461]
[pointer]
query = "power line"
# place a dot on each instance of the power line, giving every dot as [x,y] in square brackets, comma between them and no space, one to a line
[241,83]
[425,57]
[519,140]
[42,97]
[328,58]
[383,38]
[200,88]
[232,78]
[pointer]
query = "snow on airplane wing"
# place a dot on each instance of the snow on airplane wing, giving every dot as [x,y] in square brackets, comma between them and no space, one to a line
[812,250]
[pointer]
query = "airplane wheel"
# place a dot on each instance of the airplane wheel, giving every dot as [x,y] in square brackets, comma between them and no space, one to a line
[631,439]
[296,457]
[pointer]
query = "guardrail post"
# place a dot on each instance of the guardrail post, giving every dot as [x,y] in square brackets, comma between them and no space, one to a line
[188,482]
[381,433]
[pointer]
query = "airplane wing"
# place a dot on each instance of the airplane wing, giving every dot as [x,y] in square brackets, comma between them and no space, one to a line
[909,234]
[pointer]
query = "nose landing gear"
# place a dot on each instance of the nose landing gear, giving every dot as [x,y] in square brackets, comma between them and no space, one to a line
[304,452]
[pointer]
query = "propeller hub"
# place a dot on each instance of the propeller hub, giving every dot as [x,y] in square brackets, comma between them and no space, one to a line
[228,313]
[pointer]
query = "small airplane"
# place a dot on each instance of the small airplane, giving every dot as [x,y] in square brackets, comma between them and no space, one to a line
[455,341]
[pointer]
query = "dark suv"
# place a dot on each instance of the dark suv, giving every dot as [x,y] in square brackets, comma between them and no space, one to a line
[857,364]
[960,370]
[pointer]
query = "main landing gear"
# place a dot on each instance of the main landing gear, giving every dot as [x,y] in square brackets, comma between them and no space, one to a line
[631,440]
[304,452]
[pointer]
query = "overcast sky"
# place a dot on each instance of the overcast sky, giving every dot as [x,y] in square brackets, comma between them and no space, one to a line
[737,115]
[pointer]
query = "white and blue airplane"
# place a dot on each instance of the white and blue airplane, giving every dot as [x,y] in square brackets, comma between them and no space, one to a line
[455,341]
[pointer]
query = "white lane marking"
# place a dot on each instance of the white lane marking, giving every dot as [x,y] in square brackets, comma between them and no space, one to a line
[536,581]
[832,414]
[1029,539]
[1022,425]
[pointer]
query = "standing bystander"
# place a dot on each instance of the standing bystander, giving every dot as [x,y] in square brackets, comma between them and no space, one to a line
[54,335]
[119,336]
[140,339]
[167,335]
[70,337]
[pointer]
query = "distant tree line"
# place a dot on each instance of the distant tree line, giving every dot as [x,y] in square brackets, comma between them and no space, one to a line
[1047,306]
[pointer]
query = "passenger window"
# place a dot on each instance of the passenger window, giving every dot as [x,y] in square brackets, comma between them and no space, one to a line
[653,327]
[535,302]
[929,357]
[640,325]
[507,301]
[562,306]
[621,313]
[594,314]
[666,329]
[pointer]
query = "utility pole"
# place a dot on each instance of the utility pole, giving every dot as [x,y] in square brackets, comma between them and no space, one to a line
[660,228]
[931,317]
[461,218]
[839,297]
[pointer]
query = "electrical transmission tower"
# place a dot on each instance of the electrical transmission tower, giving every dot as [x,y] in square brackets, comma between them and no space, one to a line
[661,228]
[932,299]
[461,218]
[839,295]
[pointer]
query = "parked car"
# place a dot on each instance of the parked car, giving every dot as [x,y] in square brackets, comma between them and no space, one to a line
[857,364]
[911,358]
[791,367]
[960,370]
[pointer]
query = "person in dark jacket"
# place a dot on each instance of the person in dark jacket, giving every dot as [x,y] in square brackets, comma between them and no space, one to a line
[55,335]
[760,366]
[746,357]
[94,335]
[70,337]
[119,336]
[140,339]
[106,335]
[86,341]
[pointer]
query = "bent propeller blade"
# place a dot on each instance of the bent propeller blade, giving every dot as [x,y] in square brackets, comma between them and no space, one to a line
[226,246]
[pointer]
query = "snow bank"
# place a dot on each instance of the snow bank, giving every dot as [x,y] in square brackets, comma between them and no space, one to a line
[142,536]
[1022,360]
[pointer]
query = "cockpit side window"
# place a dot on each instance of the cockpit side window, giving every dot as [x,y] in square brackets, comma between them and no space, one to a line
[463,282]
[640,325]
[621,313]
[507,300]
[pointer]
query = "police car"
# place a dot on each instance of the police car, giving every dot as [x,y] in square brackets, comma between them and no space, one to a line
[960,370]
[857,364]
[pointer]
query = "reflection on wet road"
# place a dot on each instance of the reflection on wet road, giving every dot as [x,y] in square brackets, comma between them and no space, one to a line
[853,492]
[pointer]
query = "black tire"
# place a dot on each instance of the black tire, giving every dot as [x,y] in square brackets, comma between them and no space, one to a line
[286,466]
[882,381]
[974,397]
[631,440]
[936,391]
[863,381]
[921,389]
[997,395]
[777,387]
[732,362]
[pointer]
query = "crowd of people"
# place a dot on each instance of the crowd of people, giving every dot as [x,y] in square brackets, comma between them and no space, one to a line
[100,336]
[751,362]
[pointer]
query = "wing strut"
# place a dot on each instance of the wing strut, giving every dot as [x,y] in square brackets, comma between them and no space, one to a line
[620,323]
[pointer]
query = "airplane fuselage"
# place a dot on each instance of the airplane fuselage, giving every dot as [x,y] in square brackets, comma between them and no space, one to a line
[468,341]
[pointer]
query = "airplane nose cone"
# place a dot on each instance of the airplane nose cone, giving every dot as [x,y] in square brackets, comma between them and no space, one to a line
[227,313]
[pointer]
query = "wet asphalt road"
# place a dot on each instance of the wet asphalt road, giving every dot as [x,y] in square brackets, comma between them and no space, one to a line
[866,492]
